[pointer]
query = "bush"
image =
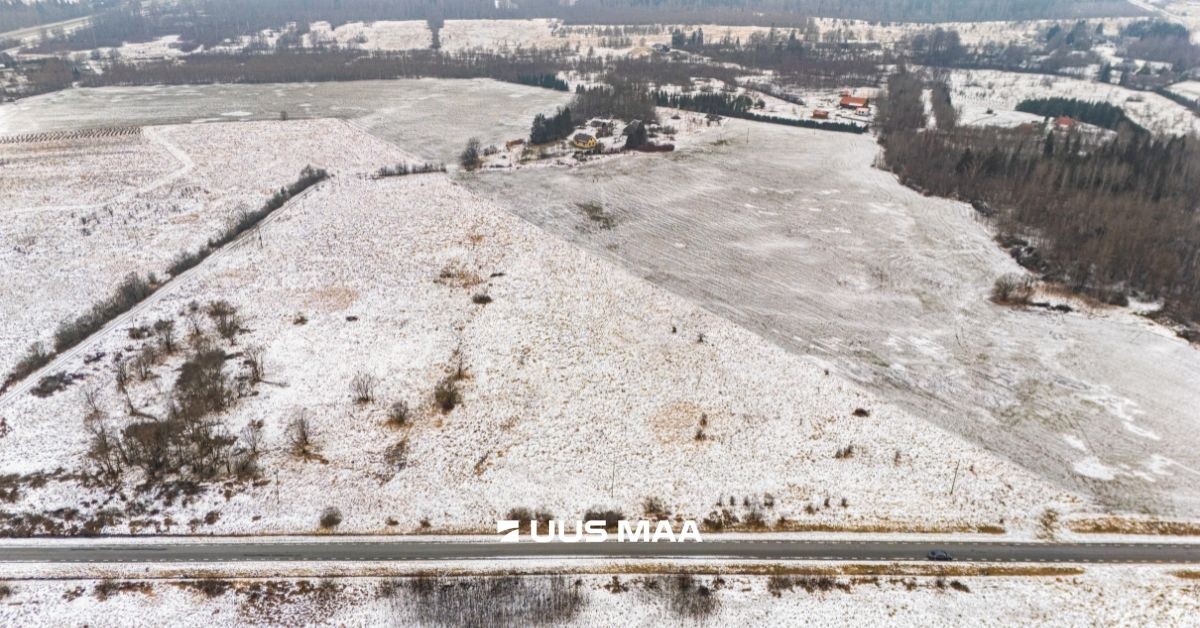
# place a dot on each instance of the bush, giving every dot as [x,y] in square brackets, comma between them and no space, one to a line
[398,414]
[495,601]
[447,395]
[362,388]
[471,157]
[300,434]
[609,517]
[526,516]
[131,291]
[330,518]
[1013,289]
[36,356]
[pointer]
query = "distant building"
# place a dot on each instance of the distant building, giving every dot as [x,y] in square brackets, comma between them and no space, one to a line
[1064,122]
[820,114]
[853,102]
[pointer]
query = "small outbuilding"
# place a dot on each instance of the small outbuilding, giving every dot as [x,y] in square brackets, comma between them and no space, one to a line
[820,114]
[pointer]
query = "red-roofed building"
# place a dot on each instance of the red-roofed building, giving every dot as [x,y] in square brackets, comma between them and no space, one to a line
[853,102]
[1064,121]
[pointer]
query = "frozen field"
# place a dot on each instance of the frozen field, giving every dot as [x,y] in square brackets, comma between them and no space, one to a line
[85,212]
[415,113]
[1111,596]
[793,234]
[975,91]
[582,386]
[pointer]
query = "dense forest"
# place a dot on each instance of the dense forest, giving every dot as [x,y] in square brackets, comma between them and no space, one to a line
[1098,113]
[1107,217]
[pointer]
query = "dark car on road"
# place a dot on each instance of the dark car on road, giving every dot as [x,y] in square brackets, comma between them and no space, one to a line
[938,554]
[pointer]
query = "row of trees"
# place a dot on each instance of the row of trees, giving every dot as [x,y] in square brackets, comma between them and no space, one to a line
[1109,214]
[741,106]
[330,66]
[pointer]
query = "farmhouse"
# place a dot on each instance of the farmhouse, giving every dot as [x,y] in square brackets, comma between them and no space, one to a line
[585,141]
[853,102]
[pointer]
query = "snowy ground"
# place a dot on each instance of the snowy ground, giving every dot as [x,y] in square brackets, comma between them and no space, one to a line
[1123,596]
[415,113]
[563,380]
[1189,89]
[792,233]
[976,91]
[80,214]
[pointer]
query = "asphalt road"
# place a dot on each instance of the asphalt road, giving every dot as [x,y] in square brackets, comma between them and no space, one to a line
[58,551]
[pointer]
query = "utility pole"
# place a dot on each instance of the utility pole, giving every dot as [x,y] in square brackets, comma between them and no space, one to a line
[954,482]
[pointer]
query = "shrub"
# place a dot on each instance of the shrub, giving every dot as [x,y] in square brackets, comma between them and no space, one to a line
[300,434]
[5,591]
[525,516]
[496,601]
[398,414]
[686,597]
[1013,289]
[396,456]
[186,261]
[330,518]
[131,291]
[36,356]
[447,395]
[210,587]
[654,508]
[609,517]
[362,388]
[481,299]
[471,158]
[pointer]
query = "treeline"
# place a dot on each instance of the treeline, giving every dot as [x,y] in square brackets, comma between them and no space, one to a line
[792,55]
[787,12]
[621,98]
[1111,216]
[739,106]
[547,80]
[1100,114]
[291,67]
[18,14]
[552,128]
[405,169]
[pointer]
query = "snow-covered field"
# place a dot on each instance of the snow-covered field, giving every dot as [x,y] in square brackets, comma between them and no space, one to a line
[1188,89]
[83,213]
[430,118]
[572,397]
[1109,596]
[792,233]
[975,91]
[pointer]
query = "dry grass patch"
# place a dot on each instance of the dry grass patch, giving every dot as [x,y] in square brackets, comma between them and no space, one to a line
[1120,525]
